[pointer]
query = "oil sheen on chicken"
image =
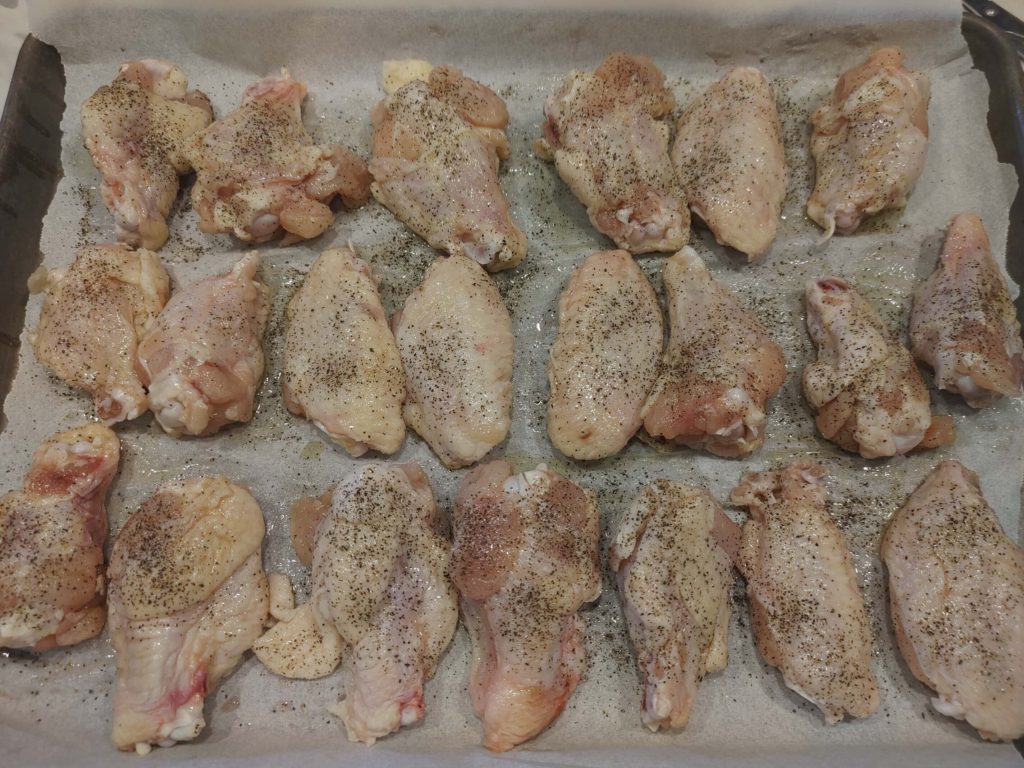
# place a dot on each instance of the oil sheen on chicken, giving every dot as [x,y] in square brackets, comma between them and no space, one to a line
[956,589]
[524,562]
[52,534]
[806,609]
[188,597]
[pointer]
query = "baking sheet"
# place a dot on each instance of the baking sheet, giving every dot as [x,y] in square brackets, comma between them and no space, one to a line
[54,709]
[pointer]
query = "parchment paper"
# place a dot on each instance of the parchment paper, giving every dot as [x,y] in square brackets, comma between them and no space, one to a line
[55,708]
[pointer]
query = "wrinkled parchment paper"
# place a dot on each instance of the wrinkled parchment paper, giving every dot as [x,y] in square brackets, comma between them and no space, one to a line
[55,708]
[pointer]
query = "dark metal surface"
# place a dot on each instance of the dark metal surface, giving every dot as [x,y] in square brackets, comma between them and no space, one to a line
[29,171]
[1006,21]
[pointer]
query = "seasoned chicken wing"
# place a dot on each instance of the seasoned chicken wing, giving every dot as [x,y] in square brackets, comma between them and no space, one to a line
[94,314]
[605,357]
[380,599]
[869,142]
[258,172]
[730,161]
[524,561]
[603,132]
[52,534]
[202,360]
[719,369]
[438,138]
[188,597]
[868,393]
[675,580]
[956,587]
[806,609]
[342,370]
[455,338]
[136,129]
[964,324]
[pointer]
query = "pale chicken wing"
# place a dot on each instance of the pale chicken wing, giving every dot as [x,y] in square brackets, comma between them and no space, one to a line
[342,370]
[719,369]
[964,324]
[865,388]
[806,609]
[438,138]
[524,561]
[869,142]
[136,129]
[603,132]
[202,360]
[258,172]
[94,314]
[455,338]
[52,534]
[675,580]
[188,597]
[730,161]
[604,360]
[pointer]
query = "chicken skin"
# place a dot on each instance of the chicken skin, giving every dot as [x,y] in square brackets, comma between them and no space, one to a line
[603,132]
[675,579]
[807,612]
[455,339]
[730,161]
[342,370]
[136,129]
[258,172]
[188,597]
[202,360]
[438,139]
[719,369]
[524,561]
[94,314]
[869,142]
[604,360]
[956,589]
[964,324]
[380,599]
[52,534]
[865,388]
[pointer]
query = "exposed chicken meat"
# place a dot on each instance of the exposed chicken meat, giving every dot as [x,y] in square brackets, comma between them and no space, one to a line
[524,561]
[136,129]
[52,534]
[719,369]
[869,142]
[964,324]
[258,171]
[605,357]
[202,360]
[94,313]
[604,134]
[805,607]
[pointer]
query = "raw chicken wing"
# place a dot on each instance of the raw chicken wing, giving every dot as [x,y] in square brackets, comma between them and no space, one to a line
[675,580]
[605,357]
[805,607]
[964,324]
[203,358]
[52,534]
[731,164]
[342,370]
[188,597]
[524,561]
[455,338]
[93,316]
[604,134]
[956,586]
[719,369]
[869,142]
[258,171]
[136,129]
